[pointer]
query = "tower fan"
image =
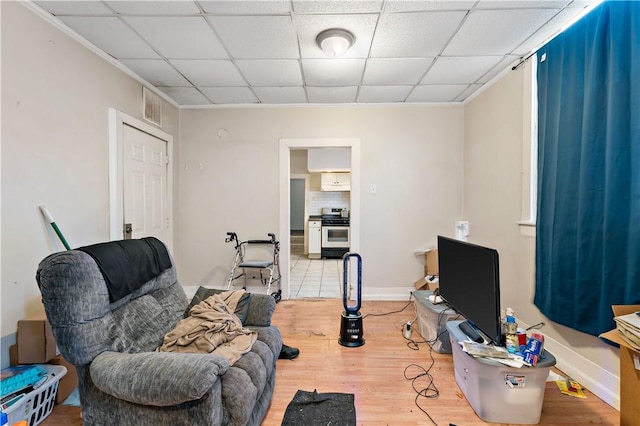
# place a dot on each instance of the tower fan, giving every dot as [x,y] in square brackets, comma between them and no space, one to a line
[351,324]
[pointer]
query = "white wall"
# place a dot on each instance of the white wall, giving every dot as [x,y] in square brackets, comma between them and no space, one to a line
[496,123]
[412,153]
[55,98]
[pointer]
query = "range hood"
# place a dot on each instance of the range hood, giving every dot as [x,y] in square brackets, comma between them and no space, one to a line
[329,160]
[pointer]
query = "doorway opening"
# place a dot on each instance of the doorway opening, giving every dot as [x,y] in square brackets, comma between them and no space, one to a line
[285,227]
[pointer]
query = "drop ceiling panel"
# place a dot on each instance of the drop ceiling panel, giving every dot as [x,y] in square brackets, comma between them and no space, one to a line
[436,93]
[229,95]
[235,7]
[111,35]
[459,69]
[309,26]
[179,37]
[333,72]
[186,95]
[418,34]
[271,73]
[522,4]
[209,72]
[505,63]
[59,8]
[154,7]
[490,33]
[336,6]
[156,71]
[257,37]
[281,95]
[384,94]
[547,31]
[336,95]
[417,6]
[395,71]
[468,92]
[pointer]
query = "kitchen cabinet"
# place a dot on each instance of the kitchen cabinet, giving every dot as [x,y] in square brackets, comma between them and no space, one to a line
[315,239]
[335,181]
[329,159]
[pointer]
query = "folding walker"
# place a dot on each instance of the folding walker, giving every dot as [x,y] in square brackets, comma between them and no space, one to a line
[262,266]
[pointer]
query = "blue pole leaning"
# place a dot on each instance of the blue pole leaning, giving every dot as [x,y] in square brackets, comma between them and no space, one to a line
[52,222]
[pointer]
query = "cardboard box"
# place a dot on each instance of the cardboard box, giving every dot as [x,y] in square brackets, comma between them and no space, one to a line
[35,341]
[427,283]
[431,262]
[13,355]
[68,382]
[629,370]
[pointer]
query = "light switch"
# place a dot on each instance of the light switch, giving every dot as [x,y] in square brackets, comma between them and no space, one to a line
[374,188]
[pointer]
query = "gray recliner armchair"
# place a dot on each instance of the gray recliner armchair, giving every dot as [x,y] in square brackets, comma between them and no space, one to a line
[111,304]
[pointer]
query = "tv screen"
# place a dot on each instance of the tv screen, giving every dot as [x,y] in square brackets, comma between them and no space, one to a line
[470,283]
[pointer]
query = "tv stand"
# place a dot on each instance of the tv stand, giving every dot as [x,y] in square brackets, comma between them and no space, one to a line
[471,332]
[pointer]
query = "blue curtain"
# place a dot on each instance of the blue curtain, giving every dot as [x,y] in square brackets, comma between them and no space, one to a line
[588,221]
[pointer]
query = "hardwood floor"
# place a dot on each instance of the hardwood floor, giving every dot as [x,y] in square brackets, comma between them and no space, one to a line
[375,373]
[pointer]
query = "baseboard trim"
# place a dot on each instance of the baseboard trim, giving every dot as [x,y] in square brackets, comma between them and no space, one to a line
[599,381]
[387,293]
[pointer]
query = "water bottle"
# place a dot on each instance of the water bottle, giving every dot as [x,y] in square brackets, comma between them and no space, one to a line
[510,330]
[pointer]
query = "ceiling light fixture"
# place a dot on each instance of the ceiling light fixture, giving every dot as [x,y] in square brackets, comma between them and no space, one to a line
[335,41]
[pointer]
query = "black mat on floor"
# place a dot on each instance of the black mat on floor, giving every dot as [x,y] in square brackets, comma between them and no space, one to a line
[320,409]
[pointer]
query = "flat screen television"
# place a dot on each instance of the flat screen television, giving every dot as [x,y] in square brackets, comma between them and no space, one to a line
[470,283]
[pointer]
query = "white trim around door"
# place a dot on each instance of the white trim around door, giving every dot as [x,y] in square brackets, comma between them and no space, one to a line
[117,120]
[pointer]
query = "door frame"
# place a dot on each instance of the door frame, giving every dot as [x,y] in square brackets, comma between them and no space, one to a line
[306,177]
[286,144]
[117,121]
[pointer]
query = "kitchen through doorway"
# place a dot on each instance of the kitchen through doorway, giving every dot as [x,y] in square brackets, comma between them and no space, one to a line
[326,272]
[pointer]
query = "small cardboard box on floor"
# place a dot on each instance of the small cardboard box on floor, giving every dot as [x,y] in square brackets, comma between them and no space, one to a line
[629,370]
[36,345]
[430,279]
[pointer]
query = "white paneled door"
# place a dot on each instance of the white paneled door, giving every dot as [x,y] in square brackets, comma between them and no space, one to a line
[146,211]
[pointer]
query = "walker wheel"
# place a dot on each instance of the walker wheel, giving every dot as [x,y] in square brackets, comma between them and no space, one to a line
[277,295]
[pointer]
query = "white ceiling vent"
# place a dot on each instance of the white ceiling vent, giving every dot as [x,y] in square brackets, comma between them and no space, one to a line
[151,107]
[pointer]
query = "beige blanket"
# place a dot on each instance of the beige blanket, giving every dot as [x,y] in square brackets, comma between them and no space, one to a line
[212,327]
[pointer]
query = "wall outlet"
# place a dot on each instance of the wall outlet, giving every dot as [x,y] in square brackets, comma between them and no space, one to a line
[462,230]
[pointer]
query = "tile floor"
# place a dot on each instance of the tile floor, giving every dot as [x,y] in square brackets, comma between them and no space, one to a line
[309,278]
[315,278]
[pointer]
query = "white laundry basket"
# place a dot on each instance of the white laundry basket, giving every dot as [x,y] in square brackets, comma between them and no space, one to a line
[35,406]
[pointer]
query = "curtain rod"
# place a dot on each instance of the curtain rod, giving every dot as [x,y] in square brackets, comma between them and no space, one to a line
[522,61]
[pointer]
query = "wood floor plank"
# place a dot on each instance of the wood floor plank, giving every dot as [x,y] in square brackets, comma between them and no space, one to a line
[375,372]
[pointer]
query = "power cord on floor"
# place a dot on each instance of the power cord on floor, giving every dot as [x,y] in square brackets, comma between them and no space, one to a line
[392,312]
[430,391]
